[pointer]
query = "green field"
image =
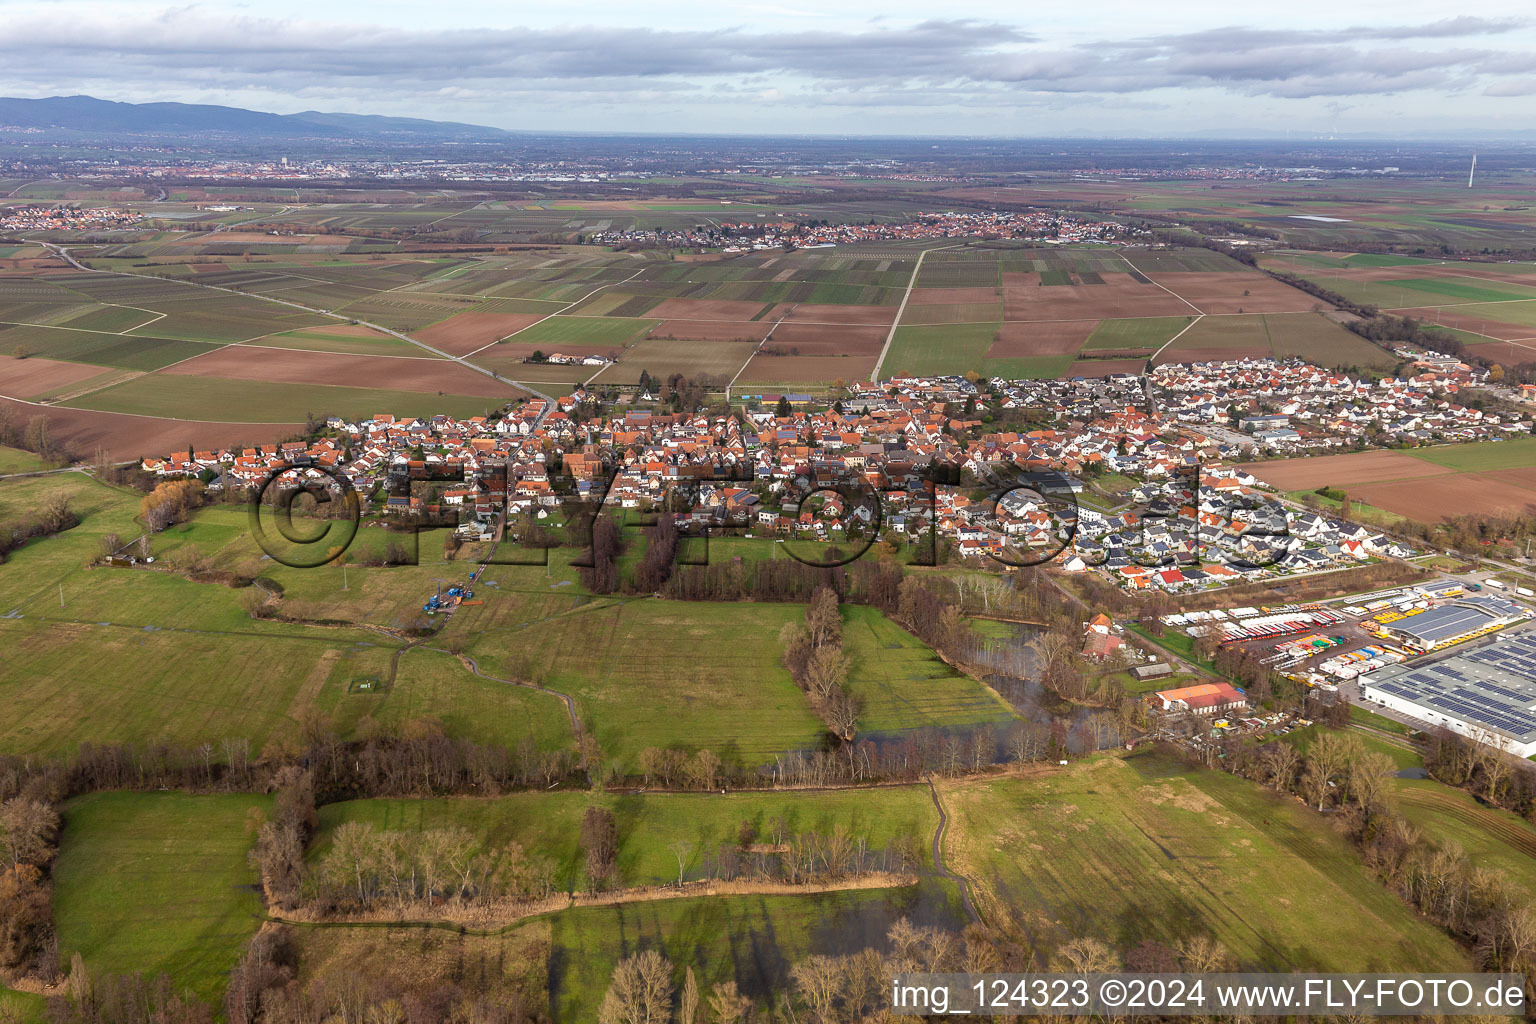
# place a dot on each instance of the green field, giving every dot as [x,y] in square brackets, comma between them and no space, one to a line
[1481,457]
[904,685]
[1491,838]
[153,656]
[130,352]
[941,349]
[729,694]
[1467,289]
[243,401]
[1143,847]
[152,882]
[1141,332]
[317,340]
[15,460]
[1309,336]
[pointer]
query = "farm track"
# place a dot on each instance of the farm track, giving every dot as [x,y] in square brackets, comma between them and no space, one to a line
[961,881]
[621,897]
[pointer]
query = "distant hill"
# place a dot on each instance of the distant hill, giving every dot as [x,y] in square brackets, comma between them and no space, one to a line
[86,115]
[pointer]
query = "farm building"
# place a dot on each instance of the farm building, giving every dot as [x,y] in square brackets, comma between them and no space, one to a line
[1490,689]
[1202,698]
[1156,670]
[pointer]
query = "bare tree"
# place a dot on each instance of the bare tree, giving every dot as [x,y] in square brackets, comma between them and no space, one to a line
[682,850]
[640,992]
[727,1004]
[688,1008]
[28,829]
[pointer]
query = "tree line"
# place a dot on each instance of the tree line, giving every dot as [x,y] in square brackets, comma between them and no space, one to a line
[813,654]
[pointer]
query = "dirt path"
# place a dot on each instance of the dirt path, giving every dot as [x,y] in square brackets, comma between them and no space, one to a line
[938,855]
[570,706]
[643,894]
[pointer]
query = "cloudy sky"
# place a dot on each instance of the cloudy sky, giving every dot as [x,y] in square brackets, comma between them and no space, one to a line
[1085,67]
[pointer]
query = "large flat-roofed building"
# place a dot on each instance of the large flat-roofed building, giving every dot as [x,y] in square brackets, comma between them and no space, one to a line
[1456,622]
[1487,689]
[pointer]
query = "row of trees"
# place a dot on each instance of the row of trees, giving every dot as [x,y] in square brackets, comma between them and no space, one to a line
[856,987]
[35,435]
[29,833]
[1484,769]
[813,653]
[416,759]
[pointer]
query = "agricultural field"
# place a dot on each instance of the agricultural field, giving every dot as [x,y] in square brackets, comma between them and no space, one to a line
[731,695]
[158,882]
[904,685]
[1144,847]
[207,398]
[1087,312]
[1425,484]
[1310,336]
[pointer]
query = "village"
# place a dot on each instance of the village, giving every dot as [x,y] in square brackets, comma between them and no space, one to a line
[41,217]
[785,232]
[1133,478]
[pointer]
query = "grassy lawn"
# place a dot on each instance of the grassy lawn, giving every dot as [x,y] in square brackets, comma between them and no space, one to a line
[66,683]
[22,1007]
[549,823]
[1491,838]
[1360,716]
[1181,644]
[1359,511]
[904,685]
[152,882]
[1143,847]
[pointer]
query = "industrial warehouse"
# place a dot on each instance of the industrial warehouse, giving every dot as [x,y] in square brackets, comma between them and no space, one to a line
[1454,623]
[1491,689]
